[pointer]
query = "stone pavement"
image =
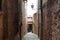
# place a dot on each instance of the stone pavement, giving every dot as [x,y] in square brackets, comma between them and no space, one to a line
[30,36]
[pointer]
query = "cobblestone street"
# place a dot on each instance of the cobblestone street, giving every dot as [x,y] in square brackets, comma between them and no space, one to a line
[30,36]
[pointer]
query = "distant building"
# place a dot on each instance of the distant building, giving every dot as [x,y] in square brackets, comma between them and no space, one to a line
[36,20]
[29,22]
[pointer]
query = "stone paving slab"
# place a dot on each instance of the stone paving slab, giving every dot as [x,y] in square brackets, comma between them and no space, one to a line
[30,36]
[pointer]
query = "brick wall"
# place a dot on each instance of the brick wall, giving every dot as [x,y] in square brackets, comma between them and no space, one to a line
[51,20]
[1,26]
[10,19]
[35,23]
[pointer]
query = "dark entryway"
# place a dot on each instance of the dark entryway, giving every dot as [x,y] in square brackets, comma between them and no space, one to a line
[29,27]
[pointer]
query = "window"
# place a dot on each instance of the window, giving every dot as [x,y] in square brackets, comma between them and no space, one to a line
[0,5]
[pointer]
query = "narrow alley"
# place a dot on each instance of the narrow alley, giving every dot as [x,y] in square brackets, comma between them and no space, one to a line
[30,36]
[29,19]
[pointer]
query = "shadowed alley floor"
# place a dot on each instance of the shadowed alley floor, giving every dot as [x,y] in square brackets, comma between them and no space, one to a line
[30,36]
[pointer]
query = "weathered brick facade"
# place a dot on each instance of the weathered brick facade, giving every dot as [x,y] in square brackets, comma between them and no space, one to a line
[51,12]
[10,19]
[23,28]
[1,25]
[35,23]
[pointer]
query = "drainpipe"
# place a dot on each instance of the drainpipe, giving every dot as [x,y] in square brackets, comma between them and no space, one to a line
[40,11]
[41,19]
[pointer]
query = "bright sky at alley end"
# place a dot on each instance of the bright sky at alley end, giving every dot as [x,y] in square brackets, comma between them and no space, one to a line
[29,10]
